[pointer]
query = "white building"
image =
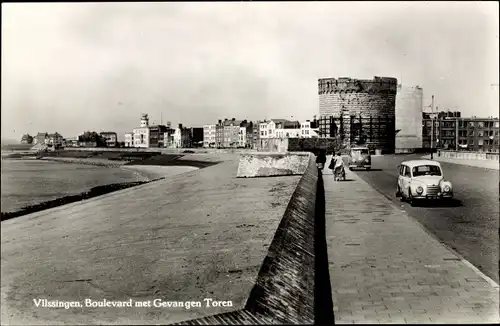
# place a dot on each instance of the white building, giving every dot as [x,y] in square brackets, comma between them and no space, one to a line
[141,135]
[308,132]
[129,139]
[409,102]
[281,128]
[242,137]
[209,135]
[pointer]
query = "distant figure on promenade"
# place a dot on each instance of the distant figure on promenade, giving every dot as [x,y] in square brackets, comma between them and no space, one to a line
[321,159]
[337,166]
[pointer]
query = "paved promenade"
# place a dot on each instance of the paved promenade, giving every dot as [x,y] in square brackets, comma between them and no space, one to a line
[202,234]
[385,268]
[487,164]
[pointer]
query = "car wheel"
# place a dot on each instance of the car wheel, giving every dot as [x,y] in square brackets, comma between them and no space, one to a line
[410,198]
[368,169]
[398,193]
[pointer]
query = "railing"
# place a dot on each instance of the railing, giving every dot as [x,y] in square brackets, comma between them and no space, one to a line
[465,155]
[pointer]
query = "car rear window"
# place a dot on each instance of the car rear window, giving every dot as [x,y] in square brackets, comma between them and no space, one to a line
[426,170]
[361,151]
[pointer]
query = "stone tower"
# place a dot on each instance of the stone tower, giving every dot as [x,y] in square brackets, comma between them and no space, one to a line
[363,110]
[144,120]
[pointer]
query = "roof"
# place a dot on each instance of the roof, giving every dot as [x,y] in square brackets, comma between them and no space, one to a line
[413,163]
[107,132]
[234,122]
[41,134]
[287,123]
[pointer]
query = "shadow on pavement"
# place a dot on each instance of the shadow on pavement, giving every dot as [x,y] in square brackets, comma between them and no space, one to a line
[367,171]
[439,203]
[323,307]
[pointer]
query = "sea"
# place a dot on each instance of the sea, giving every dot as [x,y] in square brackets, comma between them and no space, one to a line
[29,182]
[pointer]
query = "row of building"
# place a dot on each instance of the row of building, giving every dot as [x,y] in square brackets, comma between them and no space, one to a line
[227,133]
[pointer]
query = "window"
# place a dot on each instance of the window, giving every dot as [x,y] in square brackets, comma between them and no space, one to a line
[471,142]
[426,170]
[480,133]
[481,124]
[401,169]
[471,133]
[407,172]
[480,142]
[497,124]
[471,124]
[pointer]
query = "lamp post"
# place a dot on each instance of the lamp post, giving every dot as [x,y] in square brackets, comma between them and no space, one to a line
[432,127]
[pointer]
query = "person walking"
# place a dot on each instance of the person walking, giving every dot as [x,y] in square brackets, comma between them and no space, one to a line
[321,159]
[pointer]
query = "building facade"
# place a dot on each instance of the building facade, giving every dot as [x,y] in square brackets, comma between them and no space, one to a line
[129,139]
[408,118]
[219,134]
[230,133]
[182,137]
[453,132]
[157,135]
[209,135]
[55,140]
[110,137]
[141,134]
[41,138]
[197,136]
[362,111]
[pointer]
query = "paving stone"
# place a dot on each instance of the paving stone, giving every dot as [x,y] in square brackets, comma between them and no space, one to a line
[398,264]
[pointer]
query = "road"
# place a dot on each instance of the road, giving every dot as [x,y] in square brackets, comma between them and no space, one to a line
[469,225]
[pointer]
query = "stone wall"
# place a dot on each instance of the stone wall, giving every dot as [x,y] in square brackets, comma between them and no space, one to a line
[272,164]
[346,97]
[408,118]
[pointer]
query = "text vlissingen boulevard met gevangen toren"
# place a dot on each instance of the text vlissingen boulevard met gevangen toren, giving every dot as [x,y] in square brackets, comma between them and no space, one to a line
[130,303]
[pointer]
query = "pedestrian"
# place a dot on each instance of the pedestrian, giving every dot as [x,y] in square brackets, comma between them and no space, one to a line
[321,159]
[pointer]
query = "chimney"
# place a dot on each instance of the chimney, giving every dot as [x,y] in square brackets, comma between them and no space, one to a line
[180,126]
[225,119]
[233,119]
[220,121]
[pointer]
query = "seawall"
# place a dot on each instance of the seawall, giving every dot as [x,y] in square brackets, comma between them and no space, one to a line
[201,234]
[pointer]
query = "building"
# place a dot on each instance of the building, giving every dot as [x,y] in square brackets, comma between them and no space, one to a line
[219,134]
[182,137]
[280,128]
[408,118]
[129,139]
[157,135]
[27,139]
[42,138]
[453,132]
[71,141]
[141,134]
[361,112]
[245,136]
[197,136]
[55,140]
[230,133]
[256,135]
[309,129]
[209,135]
[110,137]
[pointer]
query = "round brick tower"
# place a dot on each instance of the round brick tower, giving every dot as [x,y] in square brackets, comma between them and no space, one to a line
[363,111]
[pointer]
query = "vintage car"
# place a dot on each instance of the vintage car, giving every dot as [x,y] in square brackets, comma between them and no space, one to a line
[422,179]
[359,157]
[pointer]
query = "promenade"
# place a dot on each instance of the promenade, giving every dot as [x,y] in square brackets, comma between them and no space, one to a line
[385,268]
[201,234]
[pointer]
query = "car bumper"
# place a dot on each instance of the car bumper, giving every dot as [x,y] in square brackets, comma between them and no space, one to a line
[438,196]
[360,166]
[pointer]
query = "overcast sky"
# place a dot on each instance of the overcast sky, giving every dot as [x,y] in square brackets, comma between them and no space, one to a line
[96,66]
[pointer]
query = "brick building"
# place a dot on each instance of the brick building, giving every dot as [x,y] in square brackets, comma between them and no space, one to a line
[359,111]
[451,131]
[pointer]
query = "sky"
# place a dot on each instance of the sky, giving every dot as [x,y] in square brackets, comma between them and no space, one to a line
[71,67]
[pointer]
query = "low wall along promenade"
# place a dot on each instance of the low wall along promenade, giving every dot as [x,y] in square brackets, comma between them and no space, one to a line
[463,155]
